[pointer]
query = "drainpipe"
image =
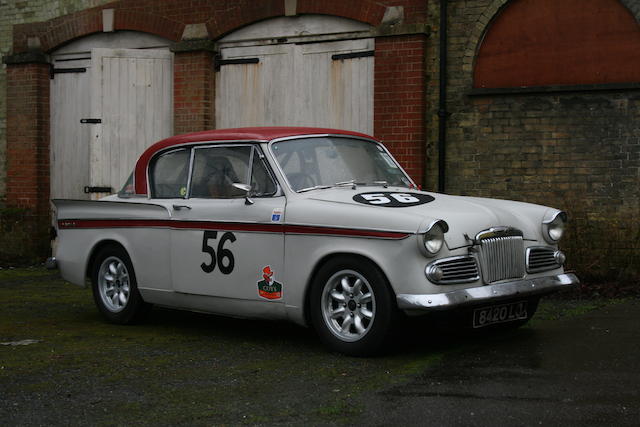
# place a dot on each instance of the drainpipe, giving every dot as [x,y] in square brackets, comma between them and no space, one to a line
[442,103]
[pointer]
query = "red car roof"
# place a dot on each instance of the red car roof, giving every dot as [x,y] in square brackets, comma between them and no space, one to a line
[230,135]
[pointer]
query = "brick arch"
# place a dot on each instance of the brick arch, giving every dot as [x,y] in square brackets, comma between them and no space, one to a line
[161,19]
[59,31]
[239,15]
[490,13]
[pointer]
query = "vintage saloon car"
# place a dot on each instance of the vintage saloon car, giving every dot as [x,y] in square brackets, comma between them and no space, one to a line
[318,226]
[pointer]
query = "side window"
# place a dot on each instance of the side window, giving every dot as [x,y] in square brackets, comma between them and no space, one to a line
[127,189]
[216,169]
[169,175]
[261,182]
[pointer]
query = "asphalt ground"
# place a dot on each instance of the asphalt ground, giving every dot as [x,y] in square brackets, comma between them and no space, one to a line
[576,363]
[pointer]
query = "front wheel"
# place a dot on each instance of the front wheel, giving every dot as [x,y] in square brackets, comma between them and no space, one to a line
[115,290]
[352,308]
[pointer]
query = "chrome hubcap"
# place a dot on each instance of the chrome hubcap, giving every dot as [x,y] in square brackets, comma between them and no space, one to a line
[348,305]
[113,284]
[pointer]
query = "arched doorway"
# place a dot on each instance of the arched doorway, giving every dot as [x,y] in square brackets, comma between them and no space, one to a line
[111,97]
[309,70]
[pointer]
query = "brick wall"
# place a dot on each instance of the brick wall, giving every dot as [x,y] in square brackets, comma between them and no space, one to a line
[399,71]
[193,91]
[16,12]
[399,101]
[28,136]
[578,151]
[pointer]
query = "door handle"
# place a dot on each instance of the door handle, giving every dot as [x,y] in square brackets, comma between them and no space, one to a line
[180,207]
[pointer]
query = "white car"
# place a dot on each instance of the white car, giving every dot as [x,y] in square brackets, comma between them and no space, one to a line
[318,226]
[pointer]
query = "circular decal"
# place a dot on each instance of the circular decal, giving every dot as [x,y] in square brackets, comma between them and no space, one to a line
[393,200]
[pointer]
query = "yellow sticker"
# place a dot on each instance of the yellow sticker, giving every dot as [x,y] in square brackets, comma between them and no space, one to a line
[183,191]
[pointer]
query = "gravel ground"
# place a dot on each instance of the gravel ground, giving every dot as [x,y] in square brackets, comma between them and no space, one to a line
[60,363]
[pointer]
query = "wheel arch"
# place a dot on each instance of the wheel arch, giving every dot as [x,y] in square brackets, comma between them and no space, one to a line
[95,250]
[325,259]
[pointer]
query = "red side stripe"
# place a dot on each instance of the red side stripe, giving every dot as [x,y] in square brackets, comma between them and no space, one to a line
[65,224]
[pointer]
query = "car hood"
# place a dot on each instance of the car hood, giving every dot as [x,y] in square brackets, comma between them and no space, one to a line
[468,216]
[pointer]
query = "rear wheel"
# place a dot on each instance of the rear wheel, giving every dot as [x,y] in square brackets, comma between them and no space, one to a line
[115,290]
[352,307]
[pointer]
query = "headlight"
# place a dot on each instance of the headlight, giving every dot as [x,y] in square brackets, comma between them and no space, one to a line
[553,227]
[433,239]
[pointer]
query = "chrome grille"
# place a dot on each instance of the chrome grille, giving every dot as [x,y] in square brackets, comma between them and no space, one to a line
[501,258]
[459,269]
[541,258]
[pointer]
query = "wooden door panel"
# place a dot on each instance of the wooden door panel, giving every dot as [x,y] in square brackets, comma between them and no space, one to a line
[299,85]
[70,138]
[132,94]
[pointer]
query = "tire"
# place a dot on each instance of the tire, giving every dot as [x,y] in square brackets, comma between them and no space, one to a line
[352,308]
[114,285]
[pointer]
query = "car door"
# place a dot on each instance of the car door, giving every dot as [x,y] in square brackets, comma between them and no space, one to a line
[225,241]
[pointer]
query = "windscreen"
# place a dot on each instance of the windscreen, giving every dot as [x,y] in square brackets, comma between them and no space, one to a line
[328,161]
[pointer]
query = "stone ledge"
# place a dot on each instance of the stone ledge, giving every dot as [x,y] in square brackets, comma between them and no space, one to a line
[552,89]
[33,57]
[401,30]
[193,46]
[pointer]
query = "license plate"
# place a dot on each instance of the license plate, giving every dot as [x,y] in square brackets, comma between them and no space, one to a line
[491,315]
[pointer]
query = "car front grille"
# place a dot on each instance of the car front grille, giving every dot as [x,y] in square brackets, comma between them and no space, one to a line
[541,258]
[501,258]
[459,269]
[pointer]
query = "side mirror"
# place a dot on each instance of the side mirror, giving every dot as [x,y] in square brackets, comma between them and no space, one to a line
[247,189]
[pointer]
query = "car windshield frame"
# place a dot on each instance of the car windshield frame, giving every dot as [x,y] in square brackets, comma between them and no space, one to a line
[409,184]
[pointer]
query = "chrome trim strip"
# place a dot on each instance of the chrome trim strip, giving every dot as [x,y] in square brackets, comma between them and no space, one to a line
[441,222]
[553,217]
[462,258]
[550,249]
[495,232]
[192,155]
[489,293]
[188,145]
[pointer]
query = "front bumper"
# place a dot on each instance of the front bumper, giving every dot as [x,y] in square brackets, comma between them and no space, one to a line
[418,304]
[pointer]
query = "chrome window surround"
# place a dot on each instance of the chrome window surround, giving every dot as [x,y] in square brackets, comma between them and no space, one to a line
[332,135]
[152,165]
[207,144]
[456,269]
[545,259]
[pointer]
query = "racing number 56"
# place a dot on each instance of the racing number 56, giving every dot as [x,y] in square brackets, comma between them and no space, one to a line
[220,255]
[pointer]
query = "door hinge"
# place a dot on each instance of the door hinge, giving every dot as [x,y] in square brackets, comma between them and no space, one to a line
[88,190]
[219,62]
[53,71]
[342,56]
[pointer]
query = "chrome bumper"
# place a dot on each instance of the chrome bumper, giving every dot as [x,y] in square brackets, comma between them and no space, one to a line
[519,288]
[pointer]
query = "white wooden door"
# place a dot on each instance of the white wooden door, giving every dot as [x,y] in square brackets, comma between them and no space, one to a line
[132,96]
[334,85]
[70,102]
[255,93]
[326,84]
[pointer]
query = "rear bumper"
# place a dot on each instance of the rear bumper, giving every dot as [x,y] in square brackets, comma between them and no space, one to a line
[418,304]
[51,263]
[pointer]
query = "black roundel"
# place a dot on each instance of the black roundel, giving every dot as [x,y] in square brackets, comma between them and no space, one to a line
[392,200]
